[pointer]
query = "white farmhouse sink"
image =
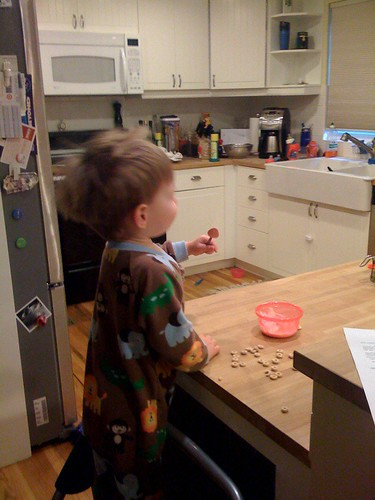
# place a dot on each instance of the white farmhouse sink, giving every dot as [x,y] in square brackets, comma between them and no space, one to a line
[348,185]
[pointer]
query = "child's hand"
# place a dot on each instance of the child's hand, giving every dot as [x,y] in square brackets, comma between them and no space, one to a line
[199,245]
[212,347]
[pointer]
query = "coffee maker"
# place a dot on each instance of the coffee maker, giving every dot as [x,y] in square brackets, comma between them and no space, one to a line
[274,127]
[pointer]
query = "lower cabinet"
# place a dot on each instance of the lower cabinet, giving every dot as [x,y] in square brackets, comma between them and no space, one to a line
[252,217]
[305,236]
[200,196]
[282,235]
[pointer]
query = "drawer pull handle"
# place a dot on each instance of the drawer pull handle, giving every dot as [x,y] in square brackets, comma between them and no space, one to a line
[253,177]
[310,207]
[251,246]
[316,211]
[252,218]
[252,197]
[196,178]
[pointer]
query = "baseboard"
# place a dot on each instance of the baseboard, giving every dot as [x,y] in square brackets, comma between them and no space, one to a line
[225,263]
[210,266]
[262,273]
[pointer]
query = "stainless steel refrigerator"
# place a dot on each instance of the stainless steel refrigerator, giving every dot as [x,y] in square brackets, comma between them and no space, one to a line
[31,251]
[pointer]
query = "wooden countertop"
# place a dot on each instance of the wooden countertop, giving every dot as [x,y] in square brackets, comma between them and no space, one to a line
[251,161]
[188,163]
[331,299]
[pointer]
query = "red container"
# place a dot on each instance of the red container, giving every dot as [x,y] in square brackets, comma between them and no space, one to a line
[278,319]
[237,272]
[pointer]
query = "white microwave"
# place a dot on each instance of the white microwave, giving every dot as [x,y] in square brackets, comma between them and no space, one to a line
[90,63]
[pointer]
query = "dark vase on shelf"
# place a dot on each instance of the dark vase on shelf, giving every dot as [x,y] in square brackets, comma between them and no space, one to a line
[284,35]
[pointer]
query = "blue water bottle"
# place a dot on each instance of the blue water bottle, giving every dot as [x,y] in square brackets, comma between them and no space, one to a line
[284,35]
[305,137]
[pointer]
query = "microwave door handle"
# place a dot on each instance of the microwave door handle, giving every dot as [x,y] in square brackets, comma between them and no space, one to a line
[123,78]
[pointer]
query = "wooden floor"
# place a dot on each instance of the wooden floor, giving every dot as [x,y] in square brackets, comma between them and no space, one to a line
[34,478]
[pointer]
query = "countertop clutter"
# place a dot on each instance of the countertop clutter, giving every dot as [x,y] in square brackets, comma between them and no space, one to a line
[320,351]
[230,318]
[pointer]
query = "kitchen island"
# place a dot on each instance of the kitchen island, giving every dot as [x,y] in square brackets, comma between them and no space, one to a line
[250,403]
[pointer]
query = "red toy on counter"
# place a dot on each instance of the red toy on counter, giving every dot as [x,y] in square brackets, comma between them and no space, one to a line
[293,151]
[312,149]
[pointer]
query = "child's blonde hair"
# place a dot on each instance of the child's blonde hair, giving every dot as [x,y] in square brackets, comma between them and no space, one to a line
[118,171]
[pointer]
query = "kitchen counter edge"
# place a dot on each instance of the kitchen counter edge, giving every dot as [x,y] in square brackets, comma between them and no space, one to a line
[319,362]
[188,163]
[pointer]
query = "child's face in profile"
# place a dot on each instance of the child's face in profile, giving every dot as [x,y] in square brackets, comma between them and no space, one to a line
[162,210]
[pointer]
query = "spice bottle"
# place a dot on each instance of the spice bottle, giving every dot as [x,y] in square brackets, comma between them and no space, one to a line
[214,151]
[158,139]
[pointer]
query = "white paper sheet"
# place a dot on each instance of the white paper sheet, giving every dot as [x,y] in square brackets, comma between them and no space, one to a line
[362,346]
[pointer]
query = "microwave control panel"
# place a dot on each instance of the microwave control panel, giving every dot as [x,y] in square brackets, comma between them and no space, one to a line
[134,67]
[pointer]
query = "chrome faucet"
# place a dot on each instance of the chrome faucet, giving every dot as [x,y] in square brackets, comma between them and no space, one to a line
[347,137]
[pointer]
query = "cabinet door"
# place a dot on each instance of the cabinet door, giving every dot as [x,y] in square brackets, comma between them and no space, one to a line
[191,39]
[339,236]
[289,236]
[238,43]
[198,211]
[113,16]
[157,27]
[60,14]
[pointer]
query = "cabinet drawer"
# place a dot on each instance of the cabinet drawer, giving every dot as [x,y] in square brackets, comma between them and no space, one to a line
[252,219]
[251,177]
[252,247]
[252,198]
[198,178]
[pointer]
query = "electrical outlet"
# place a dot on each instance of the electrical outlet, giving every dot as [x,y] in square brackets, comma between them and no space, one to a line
[5,3]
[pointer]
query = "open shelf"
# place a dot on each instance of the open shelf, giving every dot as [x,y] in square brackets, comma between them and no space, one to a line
[292,15]
[295,51]
[285,68]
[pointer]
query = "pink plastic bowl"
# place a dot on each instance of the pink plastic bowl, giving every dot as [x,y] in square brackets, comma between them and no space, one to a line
[278,319]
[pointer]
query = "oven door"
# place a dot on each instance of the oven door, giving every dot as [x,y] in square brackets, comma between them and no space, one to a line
[83,69]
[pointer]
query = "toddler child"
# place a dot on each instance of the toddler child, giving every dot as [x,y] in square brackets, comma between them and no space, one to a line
[122,187]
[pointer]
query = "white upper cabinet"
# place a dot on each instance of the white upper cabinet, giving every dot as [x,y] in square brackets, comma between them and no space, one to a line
[191,38]
[174,39]
[113,16]
[238,43]
[156,27]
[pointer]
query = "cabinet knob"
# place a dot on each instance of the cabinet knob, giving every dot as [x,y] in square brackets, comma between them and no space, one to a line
[196,178]
[252,218]
[308,238]
[253,177]
[252,197]
[81,21]
[174,81]
[74,21]
[179,81]
[251,246]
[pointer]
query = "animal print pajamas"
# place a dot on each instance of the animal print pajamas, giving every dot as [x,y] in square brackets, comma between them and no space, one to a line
[139,336]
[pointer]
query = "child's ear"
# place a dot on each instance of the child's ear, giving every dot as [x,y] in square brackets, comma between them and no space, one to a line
[140,216]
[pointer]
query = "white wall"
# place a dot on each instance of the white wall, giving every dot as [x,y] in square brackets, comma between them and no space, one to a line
[89,113]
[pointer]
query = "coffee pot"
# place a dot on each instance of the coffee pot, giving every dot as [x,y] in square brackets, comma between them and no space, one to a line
[274,127]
